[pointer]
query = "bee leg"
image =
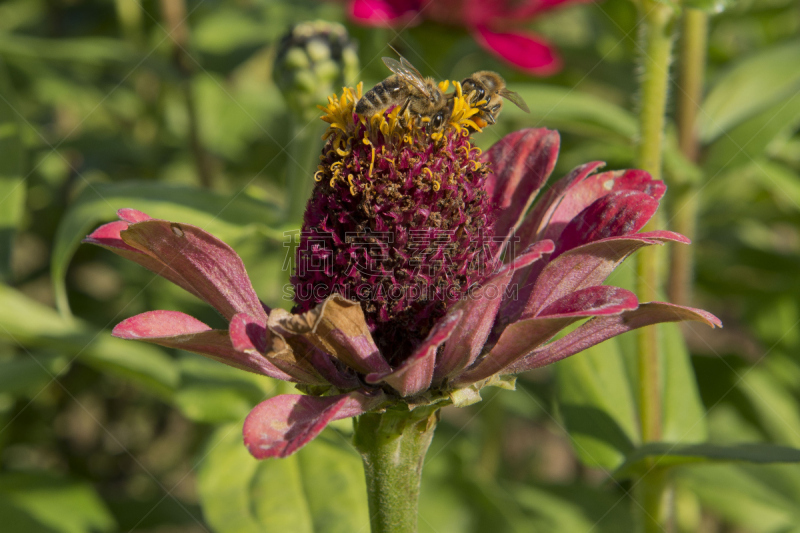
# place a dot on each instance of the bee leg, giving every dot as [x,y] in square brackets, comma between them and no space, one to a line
[405,106]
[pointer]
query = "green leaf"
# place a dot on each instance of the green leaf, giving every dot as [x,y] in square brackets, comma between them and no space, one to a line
[683,413]
[750,139]
[753,85]
[229,217]
[572,508]
[777,409]
[30,371]
[12,187]
[42,503]
[571,110]
[320,489]
[597,404]
[92,50]
[598,400]
[757,498]
[226,31]
[667,454]
[211,392]
[27,323]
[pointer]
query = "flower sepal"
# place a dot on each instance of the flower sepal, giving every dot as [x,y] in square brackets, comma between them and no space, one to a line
[471,394]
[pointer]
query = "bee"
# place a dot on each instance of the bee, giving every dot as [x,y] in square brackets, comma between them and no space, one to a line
[490,86]
[407,88]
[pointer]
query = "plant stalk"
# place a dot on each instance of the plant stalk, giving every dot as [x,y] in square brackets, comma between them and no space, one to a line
[652,495]
[393,445]
[657,38]
[656,41]
[685,204]
[174,15]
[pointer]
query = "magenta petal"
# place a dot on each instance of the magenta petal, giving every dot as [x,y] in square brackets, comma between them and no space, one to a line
[520,162]
[132,215]
[109,236]
[247,334]
[173,329]
[583,193]
[158,324]
[588,265]
[522,338]
[416,373]
[542,213]
[208,265]
[382,13]
[480,311]
[598,300]
[599,329]
[523,50]
[280,426]
[616,214]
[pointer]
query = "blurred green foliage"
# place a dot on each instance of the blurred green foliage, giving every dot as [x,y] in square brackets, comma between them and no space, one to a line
[171,108]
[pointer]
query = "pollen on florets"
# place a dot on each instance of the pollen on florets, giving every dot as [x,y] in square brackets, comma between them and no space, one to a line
[399,219]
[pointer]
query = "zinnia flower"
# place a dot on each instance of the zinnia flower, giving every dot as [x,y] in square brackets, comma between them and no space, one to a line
[423,274]
[493,23]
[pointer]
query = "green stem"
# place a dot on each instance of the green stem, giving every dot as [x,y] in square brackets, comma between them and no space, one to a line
[656,46]
[303,155]
[652,495]
[685,203]
[393,447]
[657,37]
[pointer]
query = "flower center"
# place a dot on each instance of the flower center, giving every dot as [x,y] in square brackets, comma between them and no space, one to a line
[399,219]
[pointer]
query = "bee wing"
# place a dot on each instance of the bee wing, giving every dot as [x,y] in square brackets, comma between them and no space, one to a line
[406,72]
[514,98]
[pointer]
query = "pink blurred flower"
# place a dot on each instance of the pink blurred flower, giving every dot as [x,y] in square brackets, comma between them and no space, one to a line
[495,24]
[582,228]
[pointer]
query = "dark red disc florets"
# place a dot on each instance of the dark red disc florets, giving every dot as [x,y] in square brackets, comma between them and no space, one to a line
[398,221]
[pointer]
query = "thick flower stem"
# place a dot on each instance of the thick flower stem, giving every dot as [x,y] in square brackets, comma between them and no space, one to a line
[651,495]
[393,447]
[657,38]
[692,68]
[656,42]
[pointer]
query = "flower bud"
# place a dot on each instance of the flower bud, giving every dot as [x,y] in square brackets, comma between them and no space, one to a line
[314,59]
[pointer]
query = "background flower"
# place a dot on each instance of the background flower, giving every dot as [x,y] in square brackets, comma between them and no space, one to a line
[496,25]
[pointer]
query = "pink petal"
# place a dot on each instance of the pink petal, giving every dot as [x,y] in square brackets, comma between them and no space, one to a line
[158,324]
[173,329]
[132,215]
[382,13]
[523,50]
[520,162]
[248,334]
[521,338]
[109,236]
[208,265]
[582,190]
[480,310]
[616,214]
[599,329]
[591,301]
[542,213]
[416,373]
[280,426]
[588,265]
